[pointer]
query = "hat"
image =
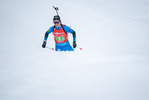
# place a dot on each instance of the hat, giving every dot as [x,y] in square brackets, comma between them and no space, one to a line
[56,17]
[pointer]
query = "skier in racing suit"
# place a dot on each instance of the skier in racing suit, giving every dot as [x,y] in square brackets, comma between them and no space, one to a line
[60,32]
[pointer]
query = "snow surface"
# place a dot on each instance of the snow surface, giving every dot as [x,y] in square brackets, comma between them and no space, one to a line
[114,62]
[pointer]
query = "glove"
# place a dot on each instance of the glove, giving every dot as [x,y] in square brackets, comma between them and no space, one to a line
[44,44]
[74,44]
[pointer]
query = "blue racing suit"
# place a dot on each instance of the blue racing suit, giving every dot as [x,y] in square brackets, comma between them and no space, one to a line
[62,46]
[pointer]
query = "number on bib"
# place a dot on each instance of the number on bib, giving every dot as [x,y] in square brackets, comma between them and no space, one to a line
[60,38]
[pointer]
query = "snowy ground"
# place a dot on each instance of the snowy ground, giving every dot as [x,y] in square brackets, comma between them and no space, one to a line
[114,62]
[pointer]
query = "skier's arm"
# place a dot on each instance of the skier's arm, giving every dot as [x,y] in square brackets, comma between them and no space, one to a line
[69,30]
[46,36]
[73,34]
[48,32]
[74,38]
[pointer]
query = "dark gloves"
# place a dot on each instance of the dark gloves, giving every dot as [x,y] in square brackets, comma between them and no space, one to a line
[44,44]
[74,44]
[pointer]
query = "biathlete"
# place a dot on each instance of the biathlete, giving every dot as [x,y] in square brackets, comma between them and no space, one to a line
[60,33]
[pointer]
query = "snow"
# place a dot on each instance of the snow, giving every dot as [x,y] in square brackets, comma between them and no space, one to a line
[113,64]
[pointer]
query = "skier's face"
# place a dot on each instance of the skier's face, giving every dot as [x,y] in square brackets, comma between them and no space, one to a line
[57,23]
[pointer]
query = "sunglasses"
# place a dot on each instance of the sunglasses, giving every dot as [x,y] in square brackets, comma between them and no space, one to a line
[56,22]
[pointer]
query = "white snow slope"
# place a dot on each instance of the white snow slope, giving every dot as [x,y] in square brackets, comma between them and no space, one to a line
[114,62]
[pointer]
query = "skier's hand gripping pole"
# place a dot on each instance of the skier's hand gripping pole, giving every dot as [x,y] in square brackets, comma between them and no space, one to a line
[44,44]
[74,44]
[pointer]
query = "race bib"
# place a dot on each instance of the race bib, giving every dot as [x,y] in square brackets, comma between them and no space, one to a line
[61,38]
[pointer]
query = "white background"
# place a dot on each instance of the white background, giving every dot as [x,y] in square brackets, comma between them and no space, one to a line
[114,62]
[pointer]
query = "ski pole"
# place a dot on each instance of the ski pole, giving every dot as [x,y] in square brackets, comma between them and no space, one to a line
[50,48]
[79,48]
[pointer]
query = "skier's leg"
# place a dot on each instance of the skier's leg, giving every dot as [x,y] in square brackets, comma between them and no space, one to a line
[68,47]
[57,48]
